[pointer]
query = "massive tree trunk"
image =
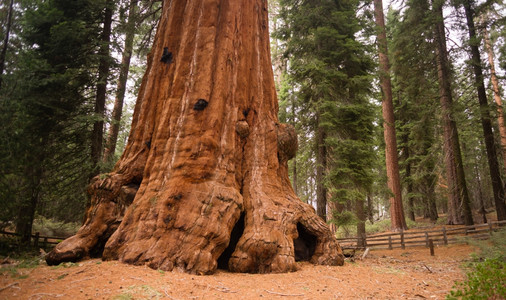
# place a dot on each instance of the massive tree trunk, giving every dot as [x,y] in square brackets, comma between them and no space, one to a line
[392,164]
[112,137]
[206,161]
[458,194]
[486,121]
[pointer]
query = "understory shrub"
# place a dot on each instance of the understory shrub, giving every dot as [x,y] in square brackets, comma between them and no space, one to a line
[486,275]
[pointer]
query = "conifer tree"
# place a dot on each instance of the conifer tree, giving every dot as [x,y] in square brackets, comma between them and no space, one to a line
[330,67]
[45,95]
[414,91]
[392,166]
[458,195]
[486,121]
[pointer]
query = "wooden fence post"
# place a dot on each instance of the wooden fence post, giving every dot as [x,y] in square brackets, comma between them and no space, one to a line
[431,246]
[426,239]
[390,242]
[445,238]
[402,240]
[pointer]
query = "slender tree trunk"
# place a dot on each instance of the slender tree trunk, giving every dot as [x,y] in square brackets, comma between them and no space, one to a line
[294,161]
[409,190]
[370,209]
[112,136]
[486,121]
[497,95]
[7,33]
[321,167]
[458,194]
[392,165]
[103,72]
[359,210]
[26,212]
[212,187]
[483,211]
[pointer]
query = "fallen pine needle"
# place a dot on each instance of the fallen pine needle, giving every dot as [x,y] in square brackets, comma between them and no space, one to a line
[223,289]
[288,295]
[10,285]
[167,294]
[137,278]
[427,268]
[84,279]
[46,294]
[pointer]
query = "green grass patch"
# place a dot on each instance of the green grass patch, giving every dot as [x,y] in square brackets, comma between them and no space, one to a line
[19,266]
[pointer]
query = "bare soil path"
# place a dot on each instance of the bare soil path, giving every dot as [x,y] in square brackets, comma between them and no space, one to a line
[384,274]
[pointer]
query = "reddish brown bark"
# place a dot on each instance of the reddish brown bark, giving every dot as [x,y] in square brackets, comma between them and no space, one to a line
[497,94]
[392,165]
[212,181]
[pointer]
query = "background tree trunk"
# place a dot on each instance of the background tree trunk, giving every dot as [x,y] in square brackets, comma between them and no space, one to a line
[103,72]
[457,186]
[486,122]
[210,183]
[392,165]
[117,111]
[3,53]
[321,167]
[497,95]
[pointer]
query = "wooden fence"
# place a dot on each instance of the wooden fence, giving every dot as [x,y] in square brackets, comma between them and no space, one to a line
[403,239]
[37,239]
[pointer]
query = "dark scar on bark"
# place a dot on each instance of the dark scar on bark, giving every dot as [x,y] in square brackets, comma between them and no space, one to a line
[166,56]
[177,197]
[200,105]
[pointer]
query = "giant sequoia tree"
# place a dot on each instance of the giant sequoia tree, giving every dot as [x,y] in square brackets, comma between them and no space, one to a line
[203,181]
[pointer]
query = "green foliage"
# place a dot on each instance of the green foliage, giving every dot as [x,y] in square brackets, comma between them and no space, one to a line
[52,227]
[487,271]
[326,92]
[414,93]
[380,226]
[486,281]
[491,248]
[44,159]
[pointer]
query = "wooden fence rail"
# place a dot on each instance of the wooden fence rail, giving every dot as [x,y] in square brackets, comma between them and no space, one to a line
[403,239]
[38,240]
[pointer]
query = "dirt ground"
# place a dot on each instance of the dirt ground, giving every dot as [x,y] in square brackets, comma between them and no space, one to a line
[384,274]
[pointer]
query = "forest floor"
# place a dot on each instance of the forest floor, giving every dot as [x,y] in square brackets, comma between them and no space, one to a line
[383,274]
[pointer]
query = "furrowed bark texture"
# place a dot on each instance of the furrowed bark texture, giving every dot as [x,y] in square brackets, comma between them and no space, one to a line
[212,180]
[458,194]
[392,165]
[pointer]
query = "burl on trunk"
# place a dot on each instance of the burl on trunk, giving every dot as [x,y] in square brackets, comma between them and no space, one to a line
[203,182]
